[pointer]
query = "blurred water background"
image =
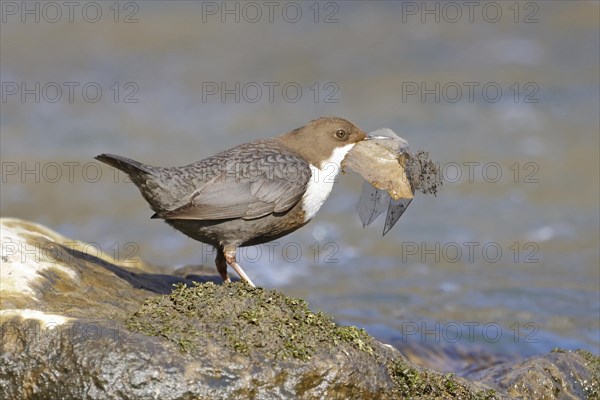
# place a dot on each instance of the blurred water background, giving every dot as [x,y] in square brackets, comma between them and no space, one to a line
[503,263]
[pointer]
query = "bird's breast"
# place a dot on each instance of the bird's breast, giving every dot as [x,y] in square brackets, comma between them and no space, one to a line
[321,182]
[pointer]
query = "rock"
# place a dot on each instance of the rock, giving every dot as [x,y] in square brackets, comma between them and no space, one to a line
[559,375]
[81,325]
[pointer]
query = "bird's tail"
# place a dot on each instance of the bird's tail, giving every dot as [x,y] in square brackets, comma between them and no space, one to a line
[148,179]
[127,165]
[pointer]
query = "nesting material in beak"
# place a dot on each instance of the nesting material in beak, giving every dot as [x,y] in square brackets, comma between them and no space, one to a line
[391,173]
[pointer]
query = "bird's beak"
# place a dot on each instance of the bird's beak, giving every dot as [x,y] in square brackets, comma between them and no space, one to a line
[403,144]
[378,137]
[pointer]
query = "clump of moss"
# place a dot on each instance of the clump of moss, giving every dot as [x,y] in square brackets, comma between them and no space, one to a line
[244,319]
[410,382]
[423,174]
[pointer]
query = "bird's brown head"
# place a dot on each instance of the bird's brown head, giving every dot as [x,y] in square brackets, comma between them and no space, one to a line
[320,138]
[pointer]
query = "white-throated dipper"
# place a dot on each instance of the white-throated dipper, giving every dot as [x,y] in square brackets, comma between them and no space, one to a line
[251,194]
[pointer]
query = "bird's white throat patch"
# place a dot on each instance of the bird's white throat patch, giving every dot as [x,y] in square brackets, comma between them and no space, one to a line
[322,180]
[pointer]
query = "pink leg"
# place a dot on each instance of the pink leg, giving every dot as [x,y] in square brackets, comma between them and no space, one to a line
[230,258]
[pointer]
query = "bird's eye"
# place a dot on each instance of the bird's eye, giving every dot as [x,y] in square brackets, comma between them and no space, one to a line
[341,134]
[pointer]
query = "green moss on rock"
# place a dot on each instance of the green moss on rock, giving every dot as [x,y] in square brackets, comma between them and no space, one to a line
[244,319]
[410,382]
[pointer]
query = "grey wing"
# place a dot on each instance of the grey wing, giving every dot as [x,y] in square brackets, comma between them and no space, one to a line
[271,188]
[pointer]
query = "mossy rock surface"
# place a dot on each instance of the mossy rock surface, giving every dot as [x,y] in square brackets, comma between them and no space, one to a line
[245,319]
[79,325]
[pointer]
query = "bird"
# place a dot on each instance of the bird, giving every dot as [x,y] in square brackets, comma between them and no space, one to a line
[248,195]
